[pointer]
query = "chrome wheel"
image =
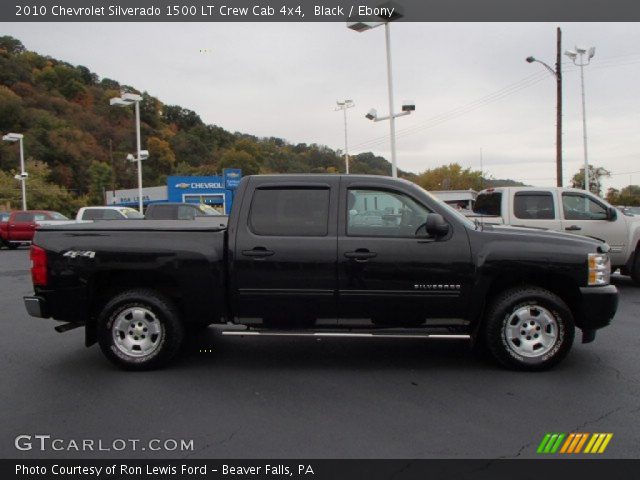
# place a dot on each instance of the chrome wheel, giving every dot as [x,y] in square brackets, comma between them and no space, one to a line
[531,331]
[137,332]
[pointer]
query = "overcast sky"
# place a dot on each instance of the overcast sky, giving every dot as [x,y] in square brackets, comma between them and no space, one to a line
[282,79]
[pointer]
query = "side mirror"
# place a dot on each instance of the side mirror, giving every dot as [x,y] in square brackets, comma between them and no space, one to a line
[436,225]
[612,214]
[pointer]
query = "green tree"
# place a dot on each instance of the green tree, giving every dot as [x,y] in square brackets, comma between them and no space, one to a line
[243,160]
[596,174]
[450,177]
[100,176]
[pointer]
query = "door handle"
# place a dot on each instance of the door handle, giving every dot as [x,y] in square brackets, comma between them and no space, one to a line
[258,252]
[573,228]
[360,255]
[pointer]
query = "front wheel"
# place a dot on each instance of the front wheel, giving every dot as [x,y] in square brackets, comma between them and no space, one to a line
[529,328]
[140,330]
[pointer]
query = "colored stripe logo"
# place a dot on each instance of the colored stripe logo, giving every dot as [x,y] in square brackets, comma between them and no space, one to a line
[574,443]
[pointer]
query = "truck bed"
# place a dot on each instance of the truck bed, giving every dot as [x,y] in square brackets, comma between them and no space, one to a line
[211,224]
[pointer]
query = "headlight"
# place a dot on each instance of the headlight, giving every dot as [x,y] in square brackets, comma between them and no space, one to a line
[599,269]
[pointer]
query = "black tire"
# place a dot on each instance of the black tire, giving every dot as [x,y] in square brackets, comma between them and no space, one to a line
[635,269]
[140,330]
[521,320]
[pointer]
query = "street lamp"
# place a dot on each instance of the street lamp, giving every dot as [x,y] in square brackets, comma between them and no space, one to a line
[577,57]
[22,176]
[344,105]
[124,101]
[363,27]
[557,73]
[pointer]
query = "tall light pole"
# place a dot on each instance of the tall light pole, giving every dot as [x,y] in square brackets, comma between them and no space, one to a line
[22,176]
[124,101]
[577,57]
[363,27]
[344,105]
[557,73]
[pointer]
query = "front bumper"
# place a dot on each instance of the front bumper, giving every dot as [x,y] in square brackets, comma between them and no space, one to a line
[36,306]
[599,305]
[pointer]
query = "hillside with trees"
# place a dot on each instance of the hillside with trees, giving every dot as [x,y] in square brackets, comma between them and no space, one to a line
[75,142]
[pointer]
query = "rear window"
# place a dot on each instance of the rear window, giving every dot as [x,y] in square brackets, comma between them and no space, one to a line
[92,214]
[488,204]
[298,212]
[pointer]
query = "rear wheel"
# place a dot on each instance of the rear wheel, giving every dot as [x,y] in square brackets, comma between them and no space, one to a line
[635,269]
[529,328]
[140,330]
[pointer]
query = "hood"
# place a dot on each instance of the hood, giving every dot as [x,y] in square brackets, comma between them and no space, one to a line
[547,236]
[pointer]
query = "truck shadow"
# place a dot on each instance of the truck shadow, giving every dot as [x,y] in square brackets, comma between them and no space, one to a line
[253,353]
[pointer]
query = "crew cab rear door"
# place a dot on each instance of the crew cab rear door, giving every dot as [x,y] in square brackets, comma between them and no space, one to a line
[388,275]
[535,208]
[283,261]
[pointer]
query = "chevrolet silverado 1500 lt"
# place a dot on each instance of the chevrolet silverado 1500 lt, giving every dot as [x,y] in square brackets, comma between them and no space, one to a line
[323,255]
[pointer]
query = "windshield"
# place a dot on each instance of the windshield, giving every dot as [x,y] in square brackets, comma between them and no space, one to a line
[450,209]
[131,213]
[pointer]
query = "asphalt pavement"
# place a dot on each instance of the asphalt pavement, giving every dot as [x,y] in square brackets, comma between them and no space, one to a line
[247,397]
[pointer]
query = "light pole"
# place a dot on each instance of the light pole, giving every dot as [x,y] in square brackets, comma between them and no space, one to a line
[557,73]
[344,105]
[363,27]
[124,101]
[22,176]
[573,55]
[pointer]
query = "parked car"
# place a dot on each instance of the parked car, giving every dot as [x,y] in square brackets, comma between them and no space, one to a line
[569,210]
[292,262]
[108,213]
[21,225]
[179,211]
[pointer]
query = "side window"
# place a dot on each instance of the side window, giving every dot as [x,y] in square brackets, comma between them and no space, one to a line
[581,207]
[111,214]
[40,217]
[24,217]
[163,212]
[296,212]
[92,214]
[381,213]
[186,212]
[534,205]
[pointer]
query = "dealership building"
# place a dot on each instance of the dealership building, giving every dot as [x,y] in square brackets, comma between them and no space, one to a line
[215,190]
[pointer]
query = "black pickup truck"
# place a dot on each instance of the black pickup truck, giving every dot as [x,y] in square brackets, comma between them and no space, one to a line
[323,255]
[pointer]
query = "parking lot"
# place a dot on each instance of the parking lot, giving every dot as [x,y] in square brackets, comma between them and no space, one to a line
[304,398]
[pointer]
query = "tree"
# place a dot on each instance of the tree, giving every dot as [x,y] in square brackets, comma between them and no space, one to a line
[450,177]
[596,174]
[100,176]
[11,45]
[243,160]
[628,196]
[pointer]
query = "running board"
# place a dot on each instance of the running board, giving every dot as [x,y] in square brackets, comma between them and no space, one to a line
[348,334]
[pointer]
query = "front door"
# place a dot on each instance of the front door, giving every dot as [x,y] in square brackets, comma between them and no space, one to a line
[389,275]
[284,258]
[585,215]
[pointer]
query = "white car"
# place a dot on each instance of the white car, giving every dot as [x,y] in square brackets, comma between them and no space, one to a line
[108,213]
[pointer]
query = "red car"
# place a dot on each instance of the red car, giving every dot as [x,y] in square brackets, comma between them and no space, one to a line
[20,225]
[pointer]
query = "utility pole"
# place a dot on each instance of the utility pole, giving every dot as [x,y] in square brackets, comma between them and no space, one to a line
[557,73]
[559,109]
